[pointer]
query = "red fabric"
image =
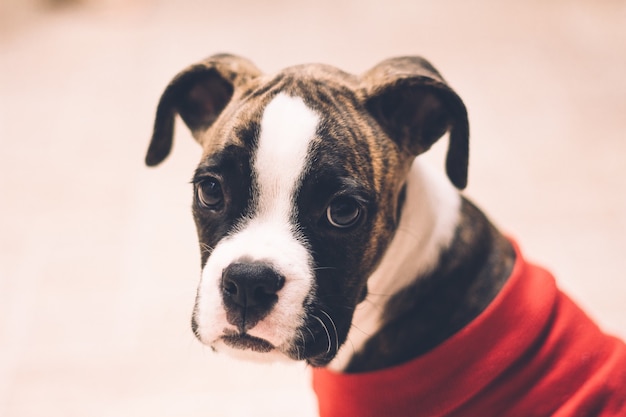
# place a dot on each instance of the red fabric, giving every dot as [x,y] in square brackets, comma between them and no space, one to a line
[532,352]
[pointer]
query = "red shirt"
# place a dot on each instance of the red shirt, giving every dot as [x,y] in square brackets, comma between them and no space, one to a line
[532,352]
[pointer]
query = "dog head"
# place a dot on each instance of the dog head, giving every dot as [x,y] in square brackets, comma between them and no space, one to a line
[299,191]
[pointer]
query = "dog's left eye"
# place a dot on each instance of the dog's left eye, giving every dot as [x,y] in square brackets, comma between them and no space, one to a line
[209,194]
[344,212]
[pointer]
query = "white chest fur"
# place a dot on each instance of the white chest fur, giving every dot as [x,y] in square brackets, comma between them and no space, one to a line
[429,219]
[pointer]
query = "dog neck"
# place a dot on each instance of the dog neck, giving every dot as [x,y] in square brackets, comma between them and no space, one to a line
[444,265]
[429,219]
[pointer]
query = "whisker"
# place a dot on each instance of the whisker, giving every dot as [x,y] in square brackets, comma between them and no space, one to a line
[409,232]
[334,328]
[360,330]
[310,332]
[326,330]
[301,336]
[207,248]
[374,304]
[351,346]
[319,268]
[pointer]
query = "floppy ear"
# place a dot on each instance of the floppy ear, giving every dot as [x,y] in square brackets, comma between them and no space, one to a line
[415,107]
[199,94]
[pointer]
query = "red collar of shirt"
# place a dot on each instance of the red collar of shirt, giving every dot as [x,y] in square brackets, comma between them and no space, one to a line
[532,352]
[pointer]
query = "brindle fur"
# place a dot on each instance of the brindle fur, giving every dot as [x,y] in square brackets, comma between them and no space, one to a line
[372,127]
[469,275]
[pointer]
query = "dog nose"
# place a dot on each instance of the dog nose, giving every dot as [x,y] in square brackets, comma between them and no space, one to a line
[249,291]
[251,284]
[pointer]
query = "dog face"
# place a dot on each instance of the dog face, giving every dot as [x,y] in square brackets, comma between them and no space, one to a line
[299,191]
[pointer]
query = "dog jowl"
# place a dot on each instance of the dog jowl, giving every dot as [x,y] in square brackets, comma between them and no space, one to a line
[300,191]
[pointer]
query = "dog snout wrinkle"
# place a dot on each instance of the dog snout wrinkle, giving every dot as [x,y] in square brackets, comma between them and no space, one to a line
[249,291]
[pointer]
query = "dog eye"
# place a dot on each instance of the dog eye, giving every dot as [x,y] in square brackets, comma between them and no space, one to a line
[344,212]
[209,194]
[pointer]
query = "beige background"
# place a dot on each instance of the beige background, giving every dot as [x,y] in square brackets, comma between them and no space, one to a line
[98,258]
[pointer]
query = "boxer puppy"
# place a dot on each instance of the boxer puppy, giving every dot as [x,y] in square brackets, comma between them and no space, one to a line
[323,238]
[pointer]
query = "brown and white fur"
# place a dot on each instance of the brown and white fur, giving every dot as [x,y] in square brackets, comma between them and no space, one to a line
[322,237]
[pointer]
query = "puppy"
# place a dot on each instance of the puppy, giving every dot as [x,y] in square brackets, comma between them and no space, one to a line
[323,238]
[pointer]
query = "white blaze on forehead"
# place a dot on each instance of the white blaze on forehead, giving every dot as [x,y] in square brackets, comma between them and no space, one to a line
[287,128]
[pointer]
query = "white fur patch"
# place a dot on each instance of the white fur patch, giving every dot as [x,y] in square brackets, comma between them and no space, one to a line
[287,128]
[429,220]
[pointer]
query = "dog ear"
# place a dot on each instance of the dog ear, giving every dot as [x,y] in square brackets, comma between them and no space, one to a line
[414,105]
[199,94]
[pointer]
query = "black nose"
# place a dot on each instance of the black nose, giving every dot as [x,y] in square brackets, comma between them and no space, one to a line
[249,291]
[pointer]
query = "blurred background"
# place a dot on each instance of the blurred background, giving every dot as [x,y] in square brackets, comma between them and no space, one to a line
[98,254]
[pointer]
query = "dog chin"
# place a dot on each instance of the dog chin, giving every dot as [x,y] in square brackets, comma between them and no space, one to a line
[249,348]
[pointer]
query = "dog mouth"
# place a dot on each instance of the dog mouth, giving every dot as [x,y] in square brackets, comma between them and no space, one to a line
[244,341]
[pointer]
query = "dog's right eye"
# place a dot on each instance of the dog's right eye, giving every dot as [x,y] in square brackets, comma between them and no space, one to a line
[209,194]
